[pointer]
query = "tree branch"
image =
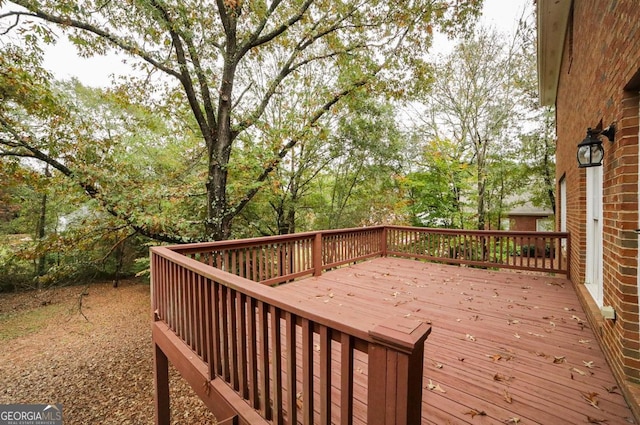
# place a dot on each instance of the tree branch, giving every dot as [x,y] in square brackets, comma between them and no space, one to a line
[90,189]
[286,148]
[185,78]
[256,40]
[10,27]
[124,45]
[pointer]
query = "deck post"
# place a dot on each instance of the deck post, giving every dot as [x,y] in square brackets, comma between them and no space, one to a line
[161,382]
[396,361]
[317,254]
[383,242]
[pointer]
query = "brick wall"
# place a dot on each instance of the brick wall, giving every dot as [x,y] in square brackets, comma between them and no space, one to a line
[599,83]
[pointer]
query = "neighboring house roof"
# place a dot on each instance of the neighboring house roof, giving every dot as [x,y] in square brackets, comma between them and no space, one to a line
[521,205]
[529,210]
[553,16]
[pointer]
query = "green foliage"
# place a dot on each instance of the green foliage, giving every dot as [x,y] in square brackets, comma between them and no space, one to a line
[435,191]
[227,74]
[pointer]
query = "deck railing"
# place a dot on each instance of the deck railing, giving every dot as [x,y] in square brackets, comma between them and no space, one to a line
[533,251]
[277,259]
[289,362]
[285,361]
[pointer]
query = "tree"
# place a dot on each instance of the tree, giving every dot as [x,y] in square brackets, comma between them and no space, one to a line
[210,49]
[435,189]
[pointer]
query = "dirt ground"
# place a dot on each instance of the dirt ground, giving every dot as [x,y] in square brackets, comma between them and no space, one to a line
[95,360]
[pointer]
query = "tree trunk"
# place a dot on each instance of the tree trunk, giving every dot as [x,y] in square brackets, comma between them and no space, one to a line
[41,229]
[42,219]
[219,217]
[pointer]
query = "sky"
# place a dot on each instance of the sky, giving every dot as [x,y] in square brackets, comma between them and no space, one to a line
[63,61]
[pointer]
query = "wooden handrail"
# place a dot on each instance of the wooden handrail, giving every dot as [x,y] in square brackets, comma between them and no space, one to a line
[242,331]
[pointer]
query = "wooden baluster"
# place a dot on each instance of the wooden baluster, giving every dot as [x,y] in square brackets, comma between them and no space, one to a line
[215,323]
[263,341]
[233,338]
[325,375]
[292,394]
[346,379]
[276,365]
[307,372]
[241,326]
[224,333]
[252,364]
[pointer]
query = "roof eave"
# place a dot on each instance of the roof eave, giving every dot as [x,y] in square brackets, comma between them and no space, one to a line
[553,18]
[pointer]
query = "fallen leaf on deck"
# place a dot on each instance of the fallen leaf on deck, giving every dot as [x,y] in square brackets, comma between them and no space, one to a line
[584,341]
[513,322]
[588,364]
[513,420]
[576,318]
[435,387]
[558,359]
[470,338]
[495,357]
[569,309]
[575,369]
[350,294]
[516,335]
[460,359]
[591,399]
[507,396]
[501,378]
[612,390]
[596,421]
[437,365]
[474,413]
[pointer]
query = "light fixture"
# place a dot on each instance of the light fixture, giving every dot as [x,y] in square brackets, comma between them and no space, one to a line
[590,150]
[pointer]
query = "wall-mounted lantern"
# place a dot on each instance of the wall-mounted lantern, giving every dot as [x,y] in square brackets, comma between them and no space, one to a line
[590,150]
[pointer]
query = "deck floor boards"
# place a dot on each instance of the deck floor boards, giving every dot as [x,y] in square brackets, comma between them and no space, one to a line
[495,335]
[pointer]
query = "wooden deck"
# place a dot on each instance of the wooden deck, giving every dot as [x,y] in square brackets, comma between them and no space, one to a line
[505,347]
[329,327]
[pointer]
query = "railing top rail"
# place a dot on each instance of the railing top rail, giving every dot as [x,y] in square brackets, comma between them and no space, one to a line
[238,243]
[268,295]
[480,232]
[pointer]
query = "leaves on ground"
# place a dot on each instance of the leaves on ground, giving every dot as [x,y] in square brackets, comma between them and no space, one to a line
[559,359]
[575,369]
[591,398]
[611,390]
[596,421]
[101,371]
[435,387]
[495,357]
[507,397]
[475,412]
[502,378]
